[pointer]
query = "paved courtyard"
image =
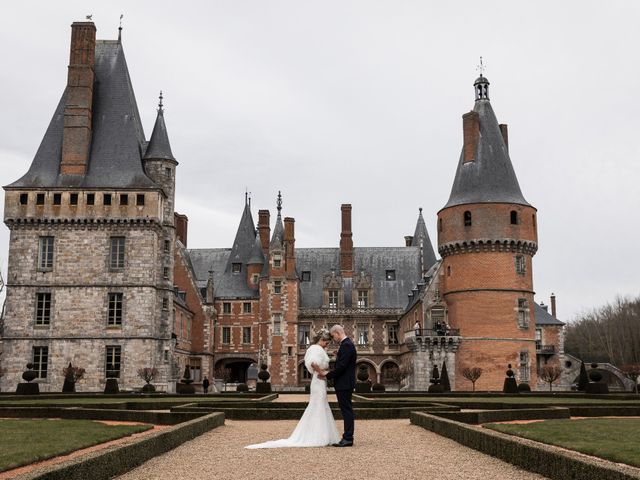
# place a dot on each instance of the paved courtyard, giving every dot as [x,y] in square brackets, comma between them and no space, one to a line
[385,449]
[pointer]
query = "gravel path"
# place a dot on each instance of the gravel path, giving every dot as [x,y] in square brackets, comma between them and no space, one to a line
[385,449]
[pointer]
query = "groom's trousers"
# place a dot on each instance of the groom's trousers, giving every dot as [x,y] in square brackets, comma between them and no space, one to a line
[344,401]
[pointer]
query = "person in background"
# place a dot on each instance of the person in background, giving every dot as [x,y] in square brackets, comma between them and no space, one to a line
[417,328]
[205,385]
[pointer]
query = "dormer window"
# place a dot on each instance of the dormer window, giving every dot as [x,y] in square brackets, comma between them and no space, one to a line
[467,218]
[236,267]
[363,298]
[514,217]
[390,275]
[333,299]
[277,261]
[306,276]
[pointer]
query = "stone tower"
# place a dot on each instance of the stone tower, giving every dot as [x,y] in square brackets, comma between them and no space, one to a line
[90,271]
[487,237]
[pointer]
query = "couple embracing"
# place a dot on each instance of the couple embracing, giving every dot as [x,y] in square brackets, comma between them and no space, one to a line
[317,428]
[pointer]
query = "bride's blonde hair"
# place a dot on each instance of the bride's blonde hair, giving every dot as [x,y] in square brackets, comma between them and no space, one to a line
[322,334]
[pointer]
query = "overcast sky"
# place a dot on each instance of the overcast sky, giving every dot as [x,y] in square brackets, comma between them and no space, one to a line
[360,102]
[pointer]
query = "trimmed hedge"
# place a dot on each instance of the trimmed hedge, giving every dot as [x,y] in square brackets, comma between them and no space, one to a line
[157,418]
[488,416]
[546,460]
[116,460]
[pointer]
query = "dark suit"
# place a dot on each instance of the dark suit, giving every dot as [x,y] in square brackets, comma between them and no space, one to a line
[344,380]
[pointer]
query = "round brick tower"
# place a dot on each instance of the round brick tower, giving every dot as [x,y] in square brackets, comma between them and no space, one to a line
[487,237]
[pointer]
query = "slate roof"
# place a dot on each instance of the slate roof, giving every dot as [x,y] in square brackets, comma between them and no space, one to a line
[159,146]
[543,317]
[118,141]
[491,177]
[421,233]
[278,233]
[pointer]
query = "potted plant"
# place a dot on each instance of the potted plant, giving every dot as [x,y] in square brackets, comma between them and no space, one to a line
[185,387]
[148,374]
[264,375]
[364,384]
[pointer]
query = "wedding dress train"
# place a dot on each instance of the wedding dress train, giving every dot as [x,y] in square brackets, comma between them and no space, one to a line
[317,427]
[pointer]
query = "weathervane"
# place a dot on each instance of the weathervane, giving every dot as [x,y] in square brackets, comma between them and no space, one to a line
[279,203]
[89,17]
[160,104]
[481,67]
[247,196]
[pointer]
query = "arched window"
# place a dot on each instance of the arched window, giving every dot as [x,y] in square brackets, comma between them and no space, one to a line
[533,219]
[440,224]
[467,218]
[448,271]
[514,217]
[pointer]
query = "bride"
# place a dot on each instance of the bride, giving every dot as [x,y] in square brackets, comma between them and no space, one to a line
[316,428]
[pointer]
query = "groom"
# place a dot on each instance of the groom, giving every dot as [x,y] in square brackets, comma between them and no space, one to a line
[344,380]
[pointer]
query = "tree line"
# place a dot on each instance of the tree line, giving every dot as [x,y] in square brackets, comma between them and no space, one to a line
[610,333]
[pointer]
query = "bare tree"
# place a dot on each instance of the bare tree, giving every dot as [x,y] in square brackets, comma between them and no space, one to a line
[633,372]
[472,374]
[401,373]
[549,374]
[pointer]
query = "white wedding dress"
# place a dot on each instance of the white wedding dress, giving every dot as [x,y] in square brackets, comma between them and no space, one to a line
[316,428]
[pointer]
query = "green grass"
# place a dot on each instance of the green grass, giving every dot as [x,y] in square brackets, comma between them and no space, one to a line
[25,441]
[615,439]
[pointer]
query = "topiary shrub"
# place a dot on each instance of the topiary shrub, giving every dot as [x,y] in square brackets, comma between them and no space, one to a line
[510,384]
[524,387]
[242,387]
[378,388]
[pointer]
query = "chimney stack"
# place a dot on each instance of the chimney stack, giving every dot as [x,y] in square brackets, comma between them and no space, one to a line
[76,137]
[289,247]
[264,229]
[346,242]
[407,240]
[553,305]
[181,224]
[505,134]
[471,135]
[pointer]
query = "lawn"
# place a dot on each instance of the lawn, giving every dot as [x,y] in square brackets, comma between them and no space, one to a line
[615,439]
[24,441]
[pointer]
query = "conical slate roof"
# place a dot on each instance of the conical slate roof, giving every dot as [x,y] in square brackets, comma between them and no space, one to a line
[159,147]
[277,238]
[117,142]
[490,178]
[421,236]
[244,241]
[257,256]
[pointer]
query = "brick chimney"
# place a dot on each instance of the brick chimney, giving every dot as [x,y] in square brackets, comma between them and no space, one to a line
[76,137]
[553,305]
[182,224]
[264,229]
[505,134]
[346,242]
[471,135]
[289,247]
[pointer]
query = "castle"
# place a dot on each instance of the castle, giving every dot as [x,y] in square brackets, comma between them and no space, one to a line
[100,273]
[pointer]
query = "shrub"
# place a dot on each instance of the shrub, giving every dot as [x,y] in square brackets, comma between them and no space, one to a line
[524,387]
[242,387]
[378,388]
[472,374]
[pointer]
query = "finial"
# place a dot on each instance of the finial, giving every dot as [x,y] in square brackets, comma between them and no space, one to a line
[160,104]
[120,28]
[89,17]
[481,67]
[247,196]
[420,209]
[279,202]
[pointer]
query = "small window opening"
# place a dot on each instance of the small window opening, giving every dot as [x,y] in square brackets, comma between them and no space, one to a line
[73,199]
[514,217]
[140,199]
[440,224]
[57,198]
[306,276]
[91,199]
[124,199]
[467,218]
[40,199]
[106,199]
[236,267]
[390,275]
[24,198]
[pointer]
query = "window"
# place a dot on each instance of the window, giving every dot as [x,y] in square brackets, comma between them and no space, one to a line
[167,246]
[306,276]
[246,334]
[167,172]
[437,316]
[255,278]
[392,330]
[277,261]
[467,218]
[236,267]
[124,199]
[114,315]
[226,335]
[440,224]
[390,275]
[363,333]
[140,199]
[165,304]
[290,351]
[448,271]
[106,199]
[533,220]
[523,313]
[277,286]
[165,273]
[246,307]
[195,368]
[73,199]
[57,198]
[333,299]
[43,308]
[514,217]
[304,373]
[524,366]
[304,335]
[117,252]
[24,198]
[277,323]
[45,253]
[113,361]
[538,338]
[41,361]
[520,264]
[226,307]
[40,199]
[91,198]
[363,298]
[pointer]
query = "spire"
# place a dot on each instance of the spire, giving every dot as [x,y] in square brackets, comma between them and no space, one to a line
[421,239]
[481,84]
[485,173]
[120,29]
[256,257]
[278,231]
[159,147]
[244,241]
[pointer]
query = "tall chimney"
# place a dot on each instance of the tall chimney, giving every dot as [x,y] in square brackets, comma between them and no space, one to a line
[505,134]
[182,224]
[264,229]
[553,305]
[289,247]
[471,135]
[346,242]
[76,137]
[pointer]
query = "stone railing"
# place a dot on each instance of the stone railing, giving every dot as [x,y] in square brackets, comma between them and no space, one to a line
[431,342]
[351,311]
